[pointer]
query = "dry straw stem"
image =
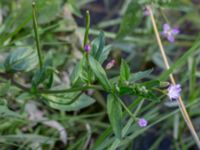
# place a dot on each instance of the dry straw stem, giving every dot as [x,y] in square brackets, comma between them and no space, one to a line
[180,101]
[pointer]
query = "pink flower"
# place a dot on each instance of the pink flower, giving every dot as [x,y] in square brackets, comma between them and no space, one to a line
[169,32]
[110,64]
[142,122]
[174,91]
[146,11]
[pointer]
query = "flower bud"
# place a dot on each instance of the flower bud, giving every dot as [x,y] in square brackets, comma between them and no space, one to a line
[87,48]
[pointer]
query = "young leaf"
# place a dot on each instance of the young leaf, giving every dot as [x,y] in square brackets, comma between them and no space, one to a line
[99,50]
[124,71]
[115,115]
[99,73]
[76,72]
[101,45]
[140,75]
[105,54]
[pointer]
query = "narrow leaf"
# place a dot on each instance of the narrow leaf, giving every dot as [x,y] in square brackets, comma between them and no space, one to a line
[140,75]
[69,102]
[130,19]
[115,115]
[124,71]
[99,73]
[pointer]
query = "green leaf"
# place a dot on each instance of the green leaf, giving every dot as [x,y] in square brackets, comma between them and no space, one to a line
[21,59]
[130,19]
[27,138]
[4,88]
[99,73]
[105,53]
[73,8]
[47,10]
[182,60]
[46,72]
[5,112]
[78,71]
[99,50]
[69,101]
[81,74]
[101,45]
[124,71]
[140,75]
[115,115]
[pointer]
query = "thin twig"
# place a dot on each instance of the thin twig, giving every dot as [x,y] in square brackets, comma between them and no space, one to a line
[180,101]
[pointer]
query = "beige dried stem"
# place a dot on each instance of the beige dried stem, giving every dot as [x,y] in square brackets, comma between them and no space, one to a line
[180,101]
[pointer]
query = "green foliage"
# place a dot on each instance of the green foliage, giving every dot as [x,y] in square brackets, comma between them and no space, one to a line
[124,72]
[21,59]
[77,72]
[45,73]
[130,19]
[69,101]
[5,112]
[73,89]
[99,73]
[115,115]
[99,50]
[73,8]
[44,14]
[28,138]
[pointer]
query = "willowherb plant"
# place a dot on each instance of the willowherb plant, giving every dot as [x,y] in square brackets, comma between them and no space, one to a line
[90,74]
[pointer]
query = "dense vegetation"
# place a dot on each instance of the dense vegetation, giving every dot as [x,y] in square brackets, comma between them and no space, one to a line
[99,74]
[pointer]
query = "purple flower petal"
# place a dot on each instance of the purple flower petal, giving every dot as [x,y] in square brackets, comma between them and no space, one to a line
[175,31]
[164,33]
[174,91]
[166,27]
[170,38]
[142,122]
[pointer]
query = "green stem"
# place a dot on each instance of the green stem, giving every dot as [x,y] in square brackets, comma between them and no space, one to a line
[35,26]
[161,91]
[139,107]
[126,108]
[87,28]
[71,89]
[28,89]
